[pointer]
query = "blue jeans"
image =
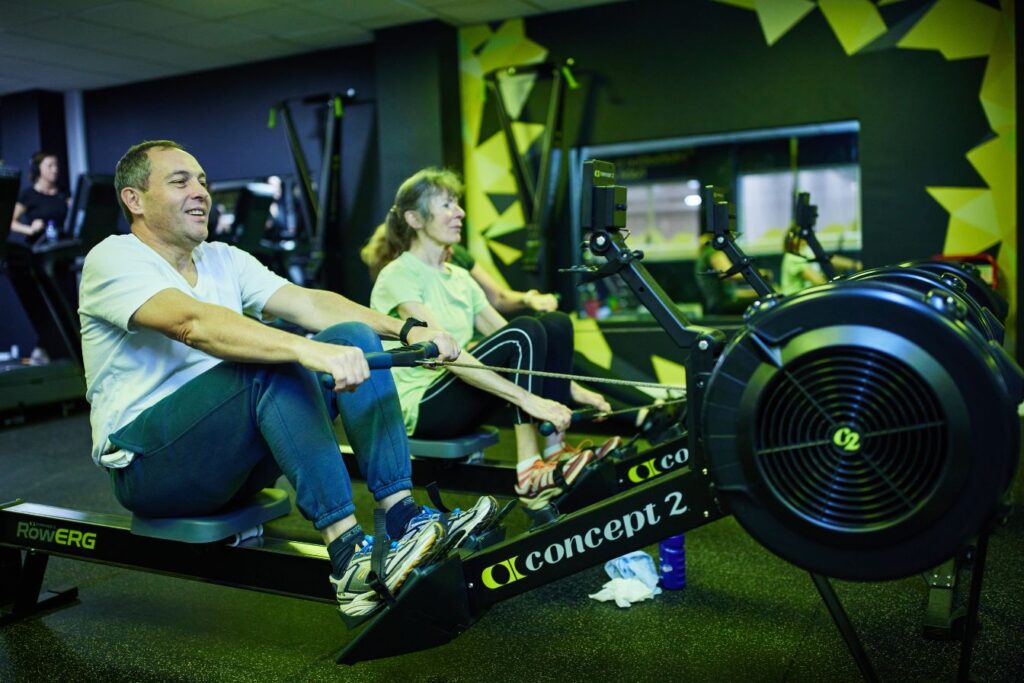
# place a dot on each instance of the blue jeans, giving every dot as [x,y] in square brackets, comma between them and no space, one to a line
[234,429]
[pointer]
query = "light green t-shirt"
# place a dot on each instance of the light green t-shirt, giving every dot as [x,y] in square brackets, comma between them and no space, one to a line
[792,278]
[454,300]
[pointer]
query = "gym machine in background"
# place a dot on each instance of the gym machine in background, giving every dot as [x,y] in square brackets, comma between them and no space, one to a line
[320,204]
[43,276]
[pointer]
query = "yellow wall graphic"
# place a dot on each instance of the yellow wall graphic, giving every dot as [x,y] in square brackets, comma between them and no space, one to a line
[488,166]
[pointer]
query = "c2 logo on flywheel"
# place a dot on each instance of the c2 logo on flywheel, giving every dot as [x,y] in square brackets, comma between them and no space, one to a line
[847,438]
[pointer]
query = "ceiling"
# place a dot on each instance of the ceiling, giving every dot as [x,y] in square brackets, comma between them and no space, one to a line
[83,44]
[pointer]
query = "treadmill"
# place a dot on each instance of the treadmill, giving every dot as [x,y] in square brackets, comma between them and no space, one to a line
[32,272]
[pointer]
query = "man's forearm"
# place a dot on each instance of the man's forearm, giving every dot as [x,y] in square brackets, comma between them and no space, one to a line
[225,334]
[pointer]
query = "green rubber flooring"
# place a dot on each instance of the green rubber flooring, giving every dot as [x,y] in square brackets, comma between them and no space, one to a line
[745,615]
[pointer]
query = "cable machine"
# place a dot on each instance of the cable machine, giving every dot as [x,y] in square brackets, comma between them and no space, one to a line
[320,204]
[537,194]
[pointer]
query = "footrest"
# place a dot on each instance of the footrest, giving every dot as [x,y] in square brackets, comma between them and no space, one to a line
[484,539]
[267,505]
[431,609]
[597,482]
[541,516]
[455,448]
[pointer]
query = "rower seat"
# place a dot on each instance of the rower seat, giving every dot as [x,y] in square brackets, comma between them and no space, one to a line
[242,522]
[469,447]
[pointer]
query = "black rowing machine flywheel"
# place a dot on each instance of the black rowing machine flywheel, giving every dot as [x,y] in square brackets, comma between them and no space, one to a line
[862,430]
[955,283]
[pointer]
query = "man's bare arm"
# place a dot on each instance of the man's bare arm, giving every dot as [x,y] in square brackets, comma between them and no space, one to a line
[228,335]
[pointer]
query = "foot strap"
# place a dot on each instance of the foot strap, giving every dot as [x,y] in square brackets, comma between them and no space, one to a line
[434,493]
[503,512]
[375,579]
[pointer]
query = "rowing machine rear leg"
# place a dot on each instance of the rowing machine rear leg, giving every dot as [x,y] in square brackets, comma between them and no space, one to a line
[21,592]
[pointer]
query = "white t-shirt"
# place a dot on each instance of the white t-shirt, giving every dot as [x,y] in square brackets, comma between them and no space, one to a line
[128,370]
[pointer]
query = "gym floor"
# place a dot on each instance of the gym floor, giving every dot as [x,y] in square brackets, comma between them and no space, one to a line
[745,615]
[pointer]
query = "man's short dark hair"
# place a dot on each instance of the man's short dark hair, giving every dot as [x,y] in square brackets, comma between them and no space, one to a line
[133,169]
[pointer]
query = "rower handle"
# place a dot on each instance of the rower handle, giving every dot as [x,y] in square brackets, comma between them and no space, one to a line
[401,357]
[547,429]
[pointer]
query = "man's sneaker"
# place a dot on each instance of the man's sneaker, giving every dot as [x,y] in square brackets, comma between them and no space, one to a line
[459,524]
[355,596]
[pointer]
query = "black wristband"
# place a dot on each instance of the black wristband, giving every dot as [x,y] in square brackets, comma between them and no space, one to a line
[408,325]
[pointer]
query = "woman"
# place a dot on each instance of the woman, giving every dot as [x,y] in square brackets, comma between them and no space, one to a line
[42,202]
[417,281]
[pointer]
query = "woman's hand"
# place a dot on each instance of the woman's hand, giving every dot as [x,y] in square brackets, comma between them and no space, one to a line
[542,409]
[447,347]
[589,398]
[542,303]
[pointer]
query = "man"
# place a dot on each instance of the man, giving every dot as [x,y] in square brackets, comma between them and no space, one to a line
[196,406]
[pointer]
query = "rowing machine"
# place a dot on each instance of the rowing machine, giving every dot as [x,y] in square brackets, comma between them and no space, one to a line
[229,548]
[862,430]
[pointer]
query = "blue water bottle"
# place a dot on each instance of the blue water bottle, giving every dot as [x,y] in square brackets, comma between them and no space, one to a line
[672,557]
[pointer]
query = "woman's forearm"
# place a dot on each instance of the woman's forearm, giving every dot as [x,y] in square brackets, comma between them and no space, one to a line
[488,380]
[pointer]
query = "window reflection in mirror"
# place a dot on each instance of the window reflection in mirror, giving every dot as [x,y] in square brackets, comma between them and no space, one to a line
[761,171]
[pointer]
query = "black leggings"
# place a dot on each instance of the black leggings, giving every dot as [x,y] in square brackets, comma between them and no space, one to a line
[451,407]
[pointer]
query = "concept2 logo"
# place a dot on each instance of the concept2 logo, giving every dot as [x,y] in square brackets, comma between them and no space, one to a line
[655,467]
[848,439]
[514,569]
[501,574]
[48,533]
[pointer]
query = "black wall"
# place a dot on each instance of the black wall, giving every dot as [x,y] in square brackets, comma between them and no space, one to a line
[29,122]
[222,115]
[417,71]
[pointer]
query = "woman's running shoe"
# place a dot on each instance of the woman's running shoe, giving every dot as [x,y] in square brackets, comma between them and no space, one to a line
[547,479]
[567,451]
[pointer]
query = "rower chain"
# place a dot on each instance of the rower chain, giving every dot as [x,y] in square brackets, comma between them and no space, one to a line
[557,375]
[633,409]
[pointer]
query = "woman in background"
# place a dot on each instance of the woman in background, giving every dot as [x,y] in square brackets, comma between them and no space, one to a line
[40,204]
[799,270]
